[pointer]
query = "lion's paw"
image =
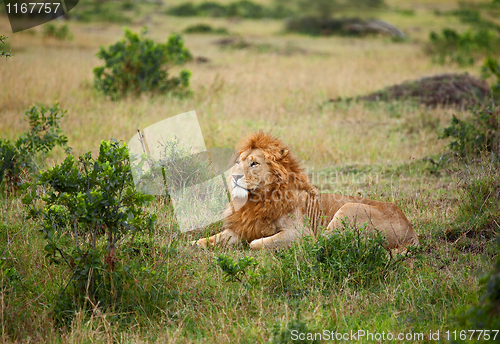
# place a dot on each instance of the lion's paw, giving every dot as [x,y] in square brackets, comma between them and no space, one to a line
[257,244]
[199,243]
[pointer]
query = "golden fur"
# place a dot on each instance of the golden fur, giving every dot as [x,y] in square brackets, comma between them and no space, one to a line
[274,203]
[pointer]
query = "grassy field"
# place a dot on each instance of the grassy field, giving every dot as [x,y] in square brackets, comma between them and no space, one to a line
[374,150]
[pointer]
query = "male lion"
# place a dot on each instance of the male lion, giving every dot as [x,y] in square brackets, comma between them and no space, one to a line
[273,203]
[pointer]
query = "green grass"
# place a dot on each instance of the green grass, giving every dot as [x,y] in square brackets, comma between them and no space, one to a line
[180,293]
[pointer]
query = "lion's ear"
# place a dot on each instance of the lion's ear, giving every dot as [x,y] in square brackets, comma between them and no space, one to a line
[284,153]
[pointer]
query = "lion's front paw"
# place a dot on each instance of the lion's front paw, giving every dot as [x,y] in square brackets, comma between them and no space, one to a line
[200,243]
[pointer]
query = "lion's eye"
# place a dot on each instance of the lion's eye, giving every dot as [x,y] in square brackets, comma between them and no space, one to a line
[253,164]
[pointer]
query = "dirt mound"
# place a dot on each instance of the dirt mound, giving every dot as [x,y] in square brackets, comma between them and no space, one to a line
[443,89]
[240,43]
[342,26]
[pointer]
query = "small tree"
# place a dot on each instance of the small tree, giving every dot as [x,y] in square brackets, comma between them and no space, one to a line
[87,208]
[137,64]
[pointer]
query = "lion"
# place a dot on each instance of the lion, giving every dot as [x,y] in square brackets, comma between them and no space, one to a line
[273,203]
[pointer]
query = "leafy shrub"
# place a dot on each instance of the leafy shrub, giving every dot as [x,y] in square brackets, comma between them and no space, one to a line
[62,33]
[246,9]
[472,136]
[479,196]
[128,5]
[492,68]
[473,17]
[463,48]
[184,10]
[204,28]
[87,208]
[324,9]
[9,277]
[238,271]
[101,11]
[4,46]
[481,133]
[137,64]
[241,8]
[212,9]
[30,149]
[485,315]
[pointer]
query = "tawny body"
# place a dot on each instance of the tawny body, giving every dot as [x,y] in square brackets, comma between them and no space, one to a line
[273,203]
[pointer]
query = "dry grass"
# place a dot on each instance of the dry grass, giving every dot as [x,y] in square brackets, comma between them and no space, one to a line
[238,91]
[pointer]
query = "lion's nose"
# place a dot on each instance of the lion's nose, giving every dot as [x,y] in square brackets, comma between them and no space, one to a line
[237,176]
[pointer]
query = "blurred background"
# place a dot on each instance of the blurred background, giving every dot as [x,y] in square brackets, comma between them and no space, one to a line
[276,65]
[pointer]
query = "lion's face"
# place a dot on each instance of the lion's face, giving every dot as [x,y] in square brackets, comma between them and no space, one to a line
[250,173]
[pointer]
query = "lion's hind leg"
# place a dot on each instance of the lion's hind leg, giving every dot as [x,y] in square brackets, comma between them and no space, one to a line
[385,217]
[224,238]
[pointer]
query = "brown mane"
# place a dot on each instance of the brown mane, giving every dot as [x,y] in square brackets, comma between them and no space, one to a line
[280,195]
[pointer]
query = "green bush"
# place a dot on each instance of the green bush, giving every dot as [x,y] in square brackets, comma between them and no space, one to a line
[473,17]
[102,11]
[88,207]
[62,33]
[492,68]
[479,196]
[246,9]
[486,314]
[472,136]
[137,64]
[463,49]
[242,271]
[30,149]
[481,133]
[184,10]
[204,28]
[241,8]
[4,46]
[211,9]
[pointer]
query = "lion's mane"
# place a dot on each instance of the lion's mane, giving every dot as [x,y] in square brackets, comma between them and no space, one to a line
[278,197]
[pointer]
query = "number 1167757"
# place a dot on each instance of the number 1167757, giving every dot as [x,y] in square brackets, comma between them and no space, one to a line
[33,7]
[472,334]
